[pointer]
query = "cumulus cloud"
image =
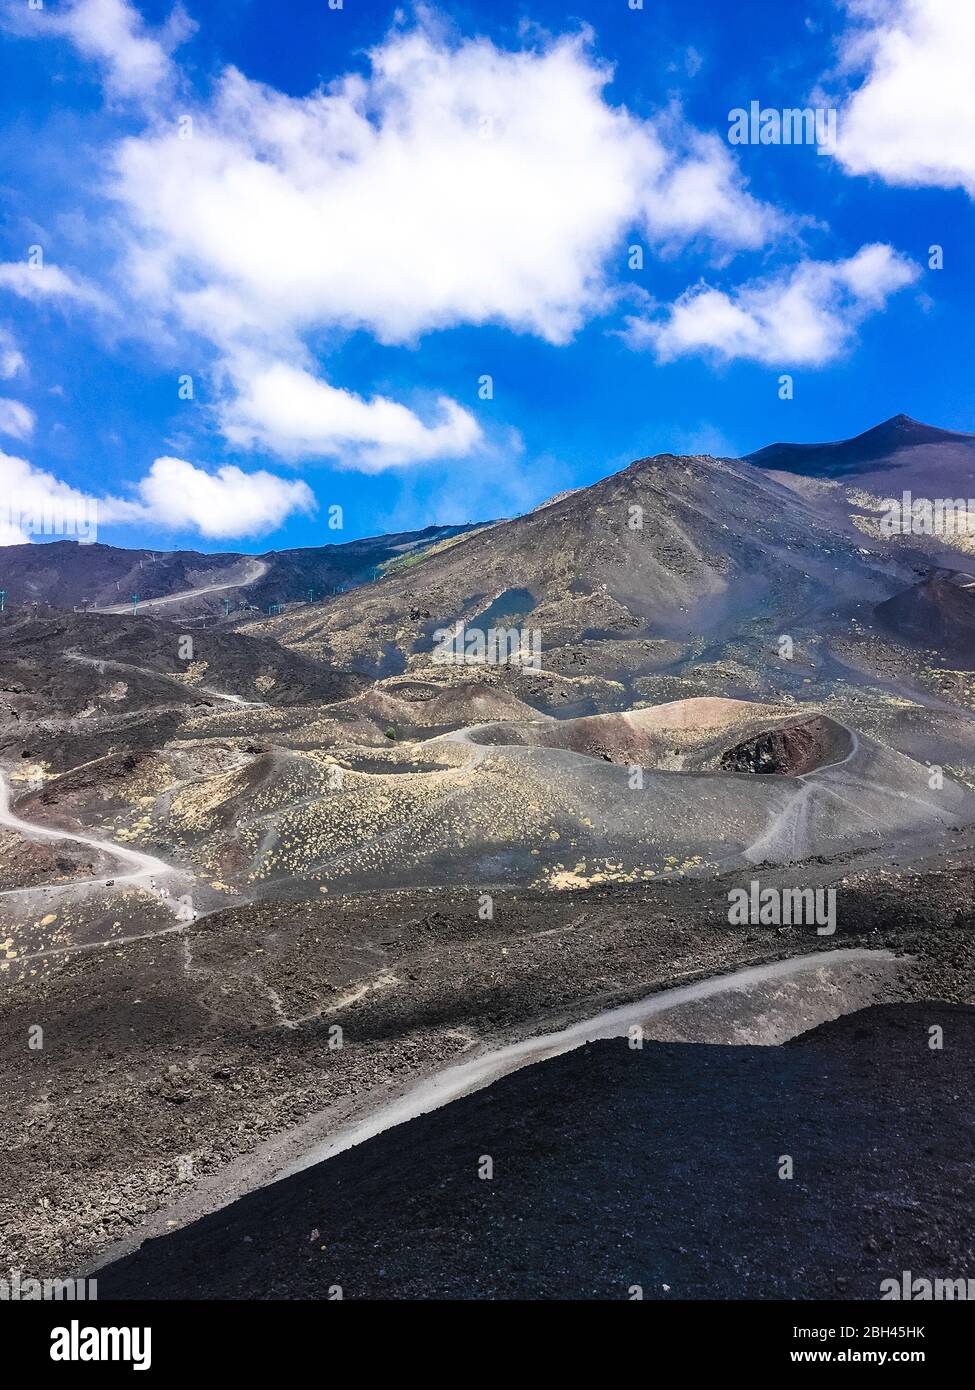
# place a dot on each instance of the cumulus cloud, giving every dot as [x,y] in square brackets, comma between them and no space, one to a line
[700,194]
[16,419]
[911,120]
[49,283]
[11,533]
[226,503]
[456,183]
[807,315]
[134,58]
[28,493]
[295,414]
[174,493]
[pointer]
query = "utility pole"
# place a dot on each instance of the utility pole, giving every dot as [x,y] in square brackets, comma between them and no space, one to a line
[226,608]
[135,601]
[311,595]
[3,599]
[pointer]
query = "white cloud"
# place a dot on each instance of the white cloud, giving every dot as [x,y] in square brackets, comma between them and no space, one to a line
[457,183]
[701,193]
[294,414]
[134,59]
[42,283]
[226,503]
[807,315]
[16,419]
[11,358]
[27,492]
[175,494]
[912,119]
[454,183]
[11,534]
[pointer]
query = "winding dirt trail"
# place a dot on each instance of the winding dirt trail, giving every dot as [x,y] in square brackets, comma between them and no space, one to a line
[101,664]
[792,822]
[141,866]
[257,569]
[143,871]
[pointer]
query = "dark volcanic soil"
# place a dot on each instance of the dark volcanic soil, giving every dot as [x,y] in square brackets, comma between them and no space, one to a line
[615,1167]
[940,612]
[170,1062]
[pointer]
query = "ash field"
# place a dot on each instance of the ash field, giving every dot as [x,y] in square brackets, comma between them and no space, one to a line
[338,947]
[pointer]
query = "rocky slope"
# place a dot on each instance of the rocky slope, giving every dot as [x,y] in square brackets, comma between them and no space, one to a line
[616,578]
[66,574]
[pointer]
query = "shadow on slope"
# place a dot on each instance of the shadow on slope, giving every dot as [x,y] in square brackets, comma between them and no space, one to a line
[938,613]
[615,1167]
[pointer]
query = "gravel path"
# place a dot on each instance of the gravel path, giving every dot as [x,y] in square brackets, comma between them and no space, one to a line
[617,1169]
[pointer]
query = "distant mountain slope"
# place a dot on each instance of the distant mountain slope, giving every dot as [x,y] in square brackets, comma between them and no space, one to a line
[897,443]
[851,481]
[329,569]
[670,548]
[66,574]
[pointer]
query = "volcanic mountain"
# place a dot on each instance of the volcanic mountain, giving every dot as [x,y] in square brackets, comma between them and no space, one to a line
[74,686]
[672,559]
[899,452]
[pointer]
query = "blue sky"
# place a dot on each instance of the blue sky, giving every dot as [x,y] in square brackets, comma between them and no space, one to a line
[338,221]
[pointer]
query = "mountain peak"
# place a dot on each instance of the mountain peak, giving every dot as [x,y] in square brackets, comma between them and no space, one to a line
[914,431]
[874,447]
